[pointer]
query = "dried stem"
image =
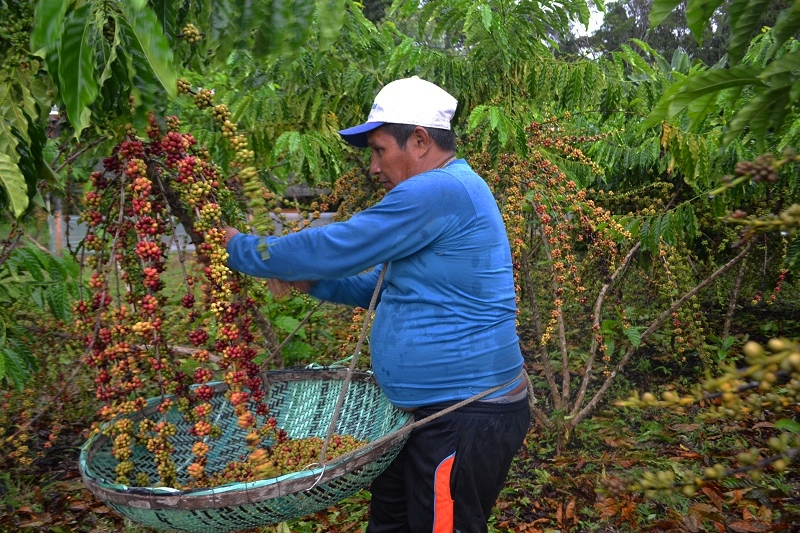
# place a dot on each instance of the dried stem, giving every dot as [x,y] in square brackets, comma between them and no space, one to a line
[657,323]
[726,328]
[72,158]
[596,325]
[10,244]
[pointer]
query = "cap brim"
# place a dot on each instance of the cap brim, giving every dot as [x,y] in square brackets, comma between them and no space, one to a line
[357,135]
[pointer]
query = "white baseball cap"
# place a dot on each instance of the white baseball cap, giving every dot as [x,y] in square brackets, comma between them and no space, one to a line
[405,101]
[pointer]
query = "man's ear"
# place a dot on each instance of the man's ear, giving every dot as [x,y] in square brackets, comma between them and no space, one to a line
[420,140]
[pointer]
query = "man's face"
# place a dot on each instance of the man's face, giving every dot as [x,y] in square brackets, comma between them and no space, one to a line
[390,163]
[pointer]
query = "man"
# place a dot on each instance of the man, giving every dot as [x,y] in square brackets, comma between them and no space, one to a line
[444,328]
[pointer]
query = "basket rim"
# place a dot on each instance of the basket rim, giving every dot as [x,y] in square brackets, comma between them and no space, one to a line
[240,493]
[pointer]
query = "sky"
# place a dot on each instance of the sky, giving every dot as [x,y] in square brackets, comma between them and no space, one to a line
[595,22]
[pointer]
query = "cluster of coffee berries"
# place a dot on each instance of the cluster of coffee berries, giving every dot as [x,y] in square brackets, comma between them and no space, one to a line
[762,168]
[551,135]
[739,394]
[140,188]
[15,38]
[534,192]
[786,222]
[191,33]
[184,86]
[221,114]
[204,98]
[283,457]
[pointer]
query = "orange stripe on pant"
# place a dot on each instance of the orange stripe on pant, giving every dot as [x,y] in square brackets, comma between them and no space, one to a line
[442,500]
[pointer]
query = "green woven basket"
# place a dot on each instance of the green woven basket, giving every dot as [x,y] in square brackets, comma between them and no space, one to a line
[302,402]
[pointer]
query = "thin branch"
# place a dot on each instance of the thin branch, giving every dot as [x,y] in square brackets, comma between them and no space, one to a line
[71,159]
[537,318]
[10,244]
[726,328]
[277,350]
[657,323]
[596,325]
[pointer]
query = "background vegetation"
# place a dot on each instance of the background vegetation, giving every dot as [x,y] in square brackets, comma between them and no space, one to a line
[648,178]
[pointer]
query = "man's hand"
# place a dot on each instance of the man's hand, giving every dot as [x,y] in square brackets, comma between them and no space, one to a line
[204,259]
[280,288]
[229,233]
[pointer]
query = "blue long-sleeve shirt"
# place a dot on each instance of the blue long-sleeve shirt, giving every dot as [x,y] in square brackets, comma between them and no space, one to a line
[445,324]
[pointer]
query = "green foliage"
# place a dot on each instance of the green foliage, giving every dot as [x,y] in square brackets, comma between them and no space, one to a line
[83,43]
[765,68]
[31,282]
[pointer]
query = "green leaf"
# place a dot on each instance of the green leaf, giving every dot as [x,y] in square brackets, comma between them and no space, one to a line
[145,85]
[8,138]
[148,36]
[477,116]
[167,14]
[288,324]
[609,327]
[15,368]
[763,111]
[486,16]
[660,10]
[782,65]
[698,12]
[14,184]
[792,259]
[785,26]
[47,21]
[107,57]
[290,28]
[610,345]
[16,106]
[708,82]
[330,18]
[744,16]
[76,68]
[634,336]
[688,221]
[787,424]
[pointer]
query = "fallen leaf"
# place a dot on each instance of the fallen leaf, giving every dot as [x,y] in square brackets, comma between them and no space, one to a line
[31,523]
[570,511]
[703,508]
[714,495]
[691,523]
[685,428]
[765,514]
[747,526]
[738,494]
[664,525]
[77,507]
[618,443]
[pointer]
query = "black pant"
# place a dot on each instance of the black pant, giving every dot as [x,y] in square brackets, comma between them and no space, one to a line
[469,452]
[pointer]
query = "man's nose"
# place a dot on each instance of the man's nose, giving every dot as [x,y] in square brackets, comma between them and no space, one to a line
[374,166]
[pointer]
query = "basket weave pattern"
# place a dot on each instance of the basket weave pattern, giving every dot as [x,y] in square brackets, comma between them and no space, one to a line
[303,404]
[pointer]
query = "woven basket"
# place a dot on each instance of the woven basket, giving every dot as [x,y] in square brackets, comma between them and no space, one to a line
[303,403]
